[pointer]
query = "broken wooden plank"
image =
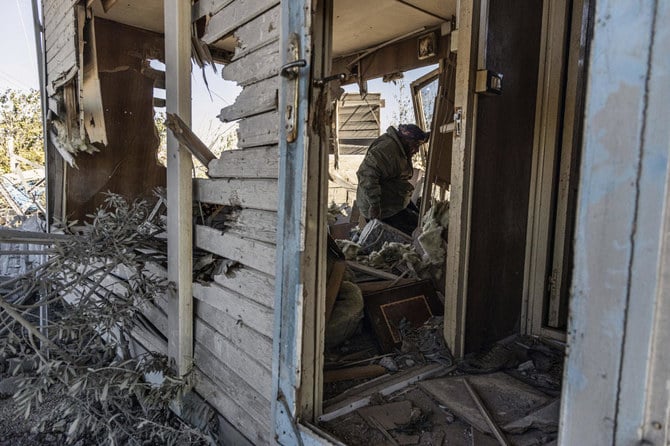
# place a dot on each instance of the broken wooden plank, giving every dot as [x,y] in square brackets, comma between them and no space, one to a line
[158,76]
[371,271]
[508,399]
[188,139]
[246,193]
[254,99]
[255,162]
[35,238]
[258,255]
[486,414]
[387,387]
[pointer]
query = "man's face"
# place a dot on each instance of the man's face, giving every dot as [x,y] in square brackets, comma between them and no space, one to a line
[413,146]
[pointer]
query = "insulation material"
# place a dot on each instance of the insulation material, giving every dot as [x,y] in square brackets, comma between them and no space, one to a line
[433,232]
[346,315]
[68,147]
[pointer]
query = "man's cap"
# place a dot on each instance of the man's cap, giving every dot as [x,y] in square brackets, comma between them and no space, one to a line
[411,131]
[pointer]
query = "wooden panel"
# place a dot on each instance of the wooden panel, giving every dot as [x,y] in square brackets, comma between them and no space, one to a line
[208,7]
[252,372]
[59,28]
[259,130]
[128,165]
[503,155]
[256,194]
[394,58]
[258,255]
[359,134]
[254,224]
[62,63]
[254,99]
[124,45]
[250,283]
[256,162]
[234,15]
[237,332]
[148,340]
[229,397]
[255,67]
[241,311]
[261,31]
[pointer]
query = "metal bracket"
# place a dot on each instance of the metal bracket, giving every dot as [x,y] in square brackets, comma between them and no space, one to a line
[323,81]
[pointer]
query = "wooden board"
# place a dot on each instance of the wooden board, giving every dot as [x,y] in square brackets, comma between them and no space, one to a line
[257,255]
[240,404]
[259,32]
[241,310]
[259,130]
[254,67]
[251,193]
[256,162]
[506,398]
[236,331]
[253,373]
[254,285]
[254,224]
[254,99]
[234,15]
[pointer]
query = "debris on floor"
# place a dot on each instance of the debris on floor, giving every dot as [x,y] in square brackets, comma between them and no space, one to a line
[390,378]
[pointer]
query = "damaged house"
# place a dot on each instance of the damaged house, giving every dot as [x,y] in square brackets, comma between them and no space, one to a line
[548,139]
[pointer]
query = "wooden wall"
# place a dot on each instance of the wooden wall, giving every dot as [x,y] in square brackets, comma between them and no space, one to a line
[128,164]
[503,149]
[61,37]
[234,315]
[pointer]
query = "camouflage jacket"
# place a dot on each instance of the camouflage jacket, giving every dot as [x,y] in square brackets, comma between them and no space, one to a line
[383,176]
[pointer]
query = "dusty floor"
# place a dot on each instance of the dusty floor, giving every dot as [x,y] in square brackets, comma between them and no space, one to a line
[519,382]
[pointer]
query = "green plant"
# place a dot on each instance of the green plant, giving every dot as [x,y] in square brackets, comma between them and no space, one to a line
[96,286]
[20,128]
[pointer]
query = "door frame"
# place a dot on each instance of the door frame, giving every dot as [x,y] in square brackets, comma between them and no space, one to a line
[556,147]
[301,230]
[467,43]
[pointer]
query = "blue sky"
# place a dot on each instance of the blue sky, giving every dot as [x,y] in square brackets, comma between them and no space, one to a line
[18,70]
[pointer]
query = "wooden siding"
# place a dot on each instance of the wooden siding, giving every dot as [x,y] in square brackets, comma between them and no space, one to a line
[60,37]
[234,315]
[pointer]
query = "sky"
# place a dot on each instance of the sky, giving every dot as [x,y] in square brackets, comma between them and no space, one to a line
[18,70]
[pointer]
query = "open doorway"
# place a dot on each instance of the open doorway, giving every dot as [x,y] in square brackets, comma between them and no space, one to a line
[497,182]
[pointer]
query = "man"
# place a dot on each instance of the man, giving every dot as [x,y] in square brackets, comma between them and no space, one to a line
[384,190]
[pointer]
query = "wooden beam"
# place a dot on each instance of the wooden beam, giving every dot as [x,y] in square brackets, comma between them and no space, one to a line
[461,180]
[179,186]
[188,139]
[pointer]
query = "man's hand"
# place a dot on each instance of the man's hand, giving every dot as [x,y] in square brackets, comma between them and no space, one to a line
[374,212]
